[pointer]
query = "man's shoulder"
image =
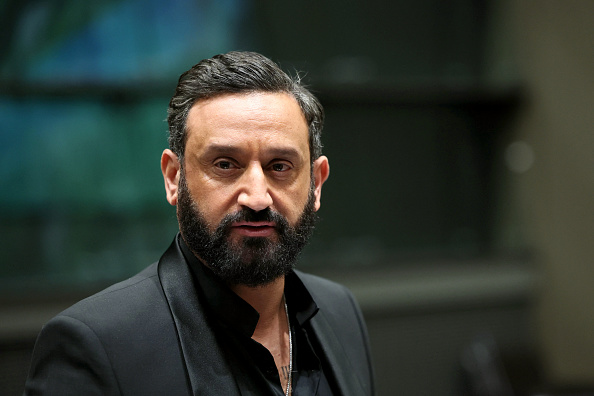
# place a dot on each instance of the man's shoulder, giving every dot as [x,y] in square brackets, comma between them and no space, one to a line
[144,278]
[139,293]
[120,338]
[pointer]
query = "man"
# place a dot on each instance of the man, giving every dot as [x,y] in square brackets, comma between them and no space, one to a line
[222,312]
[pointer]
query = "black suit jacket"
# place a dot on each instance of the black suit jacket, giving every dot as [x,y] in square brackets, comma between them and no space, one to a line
[148,335]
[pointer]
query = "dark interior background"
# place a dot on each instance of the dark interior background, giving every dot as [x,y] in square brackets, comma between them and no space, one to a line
[427,213]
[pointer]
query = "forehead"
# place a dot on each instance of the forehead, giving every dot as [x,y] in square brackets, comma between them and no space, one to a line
[258,118]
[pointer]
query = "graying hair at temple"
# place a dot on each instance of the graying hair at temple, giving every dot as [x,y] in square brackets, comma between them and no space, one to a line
[238,72]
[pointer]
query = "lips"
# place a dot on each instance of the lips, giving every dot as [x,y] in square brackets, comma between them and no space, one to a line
[254,228]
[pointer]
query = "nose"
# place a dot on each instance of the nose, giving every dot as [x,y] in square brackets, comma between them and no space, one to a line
[254,192]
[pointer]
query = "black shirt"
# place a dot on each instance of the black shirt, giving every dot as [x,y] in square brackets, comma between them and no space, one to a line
[235,320]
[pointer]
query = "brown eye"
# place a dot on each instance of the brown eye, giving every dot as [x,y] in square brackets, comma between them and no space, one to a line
[280,167]
[224,165]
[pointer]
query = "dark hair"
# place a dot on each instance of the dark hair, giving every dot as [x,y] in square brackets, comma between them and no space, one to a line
[238,72]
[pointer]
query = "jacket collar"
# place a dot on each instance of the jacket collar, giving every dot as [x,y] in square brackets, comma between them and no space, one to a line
[208,372]
[338,361]
[202,354]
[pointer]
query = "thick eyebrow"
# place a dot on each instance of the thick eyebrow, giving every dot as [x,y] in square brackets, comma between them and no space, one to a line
[221,149]
[284,152]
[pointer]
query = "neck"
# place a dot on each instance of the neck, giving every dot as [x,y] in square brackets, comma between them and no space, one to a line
[272,330]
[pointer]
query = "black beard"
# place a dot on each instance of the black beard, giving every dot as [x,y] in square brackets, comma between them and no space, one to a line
[253,261]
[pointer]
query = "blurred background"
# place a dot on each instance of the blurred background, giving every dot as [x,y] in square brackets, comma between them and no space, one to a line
[459,208]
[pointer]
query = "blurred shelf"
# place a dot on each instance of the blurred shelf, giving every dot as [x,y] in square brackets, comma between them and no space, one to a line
[91,90]
[436,94]
[374,93]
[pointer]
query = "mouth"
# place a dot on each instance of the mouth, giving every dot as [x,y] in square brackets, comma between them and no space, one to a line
[254,228]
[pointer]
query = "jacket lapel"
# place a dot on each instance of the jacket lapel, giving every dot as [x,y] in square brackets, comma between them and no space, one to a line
[338,361]
[207,370]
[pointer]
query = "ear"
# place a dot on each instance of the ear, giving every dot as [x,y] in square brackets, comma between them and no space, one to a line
[321,171]
[170,167]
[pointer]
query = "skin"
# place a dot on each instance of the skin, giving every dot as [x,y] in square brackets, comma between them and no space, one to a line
[250,150]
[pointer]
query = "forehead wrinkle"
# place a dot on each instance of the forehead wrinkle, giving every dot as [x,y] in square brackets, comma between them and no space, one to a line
[233,150]
[273,117]
[213,118]
[221,149]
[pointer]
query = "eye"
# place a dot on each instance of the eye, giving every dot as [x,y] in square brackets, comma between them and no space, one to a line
[225,164]
[280,167]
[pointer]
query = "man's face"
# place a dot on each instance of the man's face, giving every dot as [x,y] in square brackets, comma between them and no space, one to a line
[246,199]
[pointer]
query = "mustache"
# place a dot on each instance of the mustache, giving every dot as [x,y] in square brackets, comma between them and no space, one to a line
[250,215]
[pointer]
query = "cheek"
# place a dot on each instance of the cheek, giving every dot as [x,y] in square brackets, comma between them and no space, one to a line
[214,201]
[291,202]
